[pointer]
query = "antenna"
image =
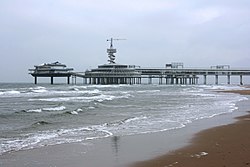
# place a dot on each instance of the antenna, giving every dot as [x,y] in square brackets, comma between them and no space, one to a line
[111,51]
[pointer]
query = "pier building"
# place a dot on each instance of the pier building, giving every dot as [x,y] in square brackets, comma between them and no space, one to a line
[51,70]
[113,73]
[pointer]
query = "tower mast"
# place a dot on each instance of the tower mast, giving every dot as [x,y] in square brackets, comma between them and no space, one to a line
[111,51]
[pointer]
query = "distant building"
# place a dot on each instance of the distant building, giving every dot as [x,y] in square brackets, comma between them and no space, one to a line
[52,70]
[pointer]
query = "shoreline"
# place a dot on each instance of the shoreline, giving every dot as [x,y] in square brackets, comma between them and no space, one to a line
[226,146]
[119,151]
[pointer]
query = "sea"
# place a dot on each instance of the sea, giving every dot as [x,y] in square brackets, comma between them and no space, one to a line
[35,116]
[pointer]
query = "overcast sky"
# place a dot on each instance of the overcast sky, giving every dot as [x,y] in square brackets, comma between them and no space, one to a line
[199,33]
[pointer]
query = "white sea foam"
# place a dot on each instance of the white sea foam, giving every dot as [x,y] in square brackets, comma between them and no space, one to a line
[39,90]
[79,110]
[98,98]
[74,112]
[77,87]
[107,86]
[10,92]
[225,87]
[59,108]
[148,91]
[135,119]
[42,91]
[34,111]
[44,138]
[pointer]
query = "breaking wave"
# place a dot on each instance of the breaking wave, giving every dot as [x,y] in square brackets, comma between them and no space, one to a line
[98,98]
[58,108]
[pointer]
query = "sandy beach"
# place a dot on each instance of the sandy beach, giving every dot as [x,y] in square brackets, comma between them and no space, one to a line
[225,146]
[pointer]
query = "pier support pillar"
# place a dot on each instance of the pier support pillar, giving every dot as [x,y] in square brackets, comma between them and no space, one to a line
[185,81]
[160,81]
[177,80]
[35,80]
[193,80]
[216,79]
[205,79]
[149,80]
[51,80]
[172,80]
[241,80]
[69,80]
[181,81]
[228,79]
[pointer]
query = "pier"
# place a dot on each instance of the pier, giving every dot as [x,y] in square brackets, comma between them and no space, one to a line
[113,73]
[192,75]
[51,70]
[184,76]
[173,73]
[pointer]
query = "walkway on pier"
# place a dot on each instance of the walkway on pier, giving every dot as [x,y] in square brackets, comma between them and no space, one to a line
[164,75]
[181,75]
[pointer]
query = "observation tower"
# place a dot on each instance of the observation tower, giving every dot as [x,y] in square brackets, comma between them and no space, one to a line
[113,73]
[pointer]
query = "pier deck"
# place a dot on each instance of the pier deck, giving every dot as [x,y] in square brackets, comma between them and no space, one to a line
[171,76]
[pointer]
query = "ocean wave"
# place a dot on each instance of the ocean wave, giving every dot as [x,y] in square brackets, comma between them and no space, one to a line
[40,123]
[39,90]
[53,137]
[64,92]
[128,120]
[107,86]
[10,92]
[224,87]
[72,112]
[148,91]
[123,122]
[59,108]
[98,98]
[79,110]
[76,87]
[33,111]
[42,91]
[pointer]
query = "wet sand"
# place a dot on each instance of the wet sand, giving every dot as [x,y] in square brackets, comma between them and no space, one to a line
[242,92]
[223,146]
